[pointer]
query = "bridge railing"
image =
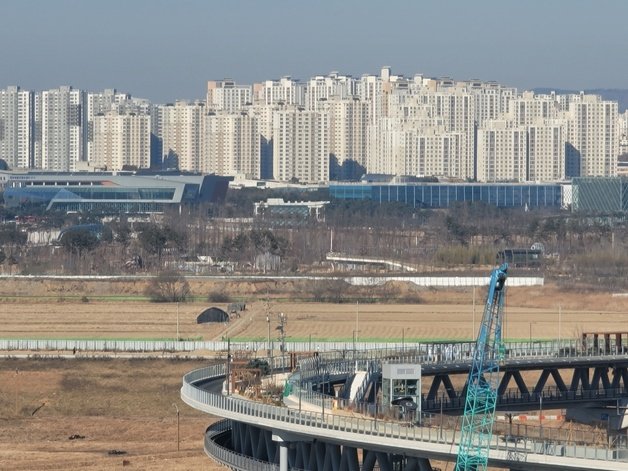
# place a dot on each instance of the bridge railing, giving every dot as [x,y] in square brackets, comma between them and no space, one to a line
[424,352]
[229,457]
[234,407]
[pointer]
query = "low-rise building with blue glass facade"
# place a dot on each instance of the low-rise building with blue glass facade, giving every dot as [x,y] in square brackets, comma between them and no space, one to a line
[443,195]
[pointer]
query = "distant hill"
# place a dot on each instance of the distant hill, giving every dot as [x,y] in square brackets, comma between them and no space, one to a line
[615,94]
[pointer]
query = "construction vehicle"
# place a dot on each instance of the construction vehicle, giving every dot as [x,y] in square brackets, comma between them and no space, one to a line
[482,384]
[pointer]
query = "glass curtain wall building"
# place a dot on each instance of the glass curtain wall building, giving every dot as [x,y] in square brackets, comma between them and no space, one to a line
[443,195]
[600,194]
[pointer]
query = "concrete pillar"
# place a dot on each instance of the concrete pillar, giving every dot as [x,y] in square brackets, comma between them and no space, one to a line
[284,439]
[424,464]
[283,456]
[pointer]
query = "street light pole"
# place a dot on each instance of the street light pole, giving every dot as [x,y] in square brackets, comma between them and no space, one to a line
[17,372]
[403,339]
[228,366]
[178,337]
[541,414]
[473,319]
[268,322]
[177,408]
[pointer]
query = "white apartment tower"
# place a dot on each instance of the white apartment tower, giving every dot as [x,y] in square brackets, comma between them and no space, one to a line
[96,104]
[16,124]
[437,153]
[121,139]
[182,128]
[284,91]
[383,143]
[546,150]
[529,108]
[491,100]
[502,150]
[226,95]
[456,107]
[300,146]
[60,113]
[348,126]
[233,145]
[593,146]
[321,89]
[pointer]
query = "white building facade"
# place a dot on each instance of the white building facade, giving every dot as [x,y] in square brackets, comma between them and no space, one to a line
[300,146]
[16,127]
[121,140]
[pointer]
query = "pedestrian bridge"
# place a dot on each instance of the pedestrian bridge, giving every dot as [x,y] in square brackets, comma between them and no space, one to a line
[271,437]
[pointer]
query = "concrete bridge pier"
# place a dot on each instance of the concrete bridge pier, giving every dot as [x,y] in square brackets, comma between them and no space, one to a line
[286,442]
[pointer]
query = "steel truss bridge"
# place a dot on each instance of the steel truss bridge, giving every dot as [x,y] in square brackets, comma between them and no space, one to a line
[256,436]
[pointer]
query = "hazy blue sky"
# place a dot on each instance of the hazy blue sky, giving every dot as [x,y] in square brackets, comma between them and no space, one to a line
[163,50]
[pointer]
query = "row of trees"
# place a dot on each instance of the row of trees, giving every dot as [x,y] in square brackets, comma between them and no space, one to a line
[467,235]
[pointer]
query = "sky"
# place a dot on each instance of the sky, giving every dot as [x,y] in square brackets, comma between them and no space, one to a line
[165,50]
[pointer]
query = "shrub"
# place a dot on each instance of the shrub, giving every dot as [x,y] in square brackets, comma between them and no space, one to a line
[168,287]
[218,297]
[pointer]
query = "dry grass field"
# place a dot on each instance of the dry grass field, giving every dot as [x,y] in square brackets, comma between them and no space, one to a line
[115,405]
[47,401]
[442,314]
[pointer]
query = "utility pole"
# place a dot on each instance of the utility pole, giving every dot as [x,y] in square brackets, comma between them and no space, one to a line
[559,322]
[283,321]
[178,441]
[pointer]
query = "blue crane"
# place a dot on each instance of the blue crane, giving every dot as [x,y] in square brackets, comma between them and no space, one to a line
[481,398]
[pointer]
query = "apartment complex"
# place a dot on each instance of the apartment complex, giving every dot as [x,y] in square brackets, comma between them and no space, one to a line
[332,127]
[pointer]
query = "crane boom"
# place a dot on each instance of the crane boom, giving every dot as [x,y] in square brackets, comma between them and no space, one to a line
[481,397]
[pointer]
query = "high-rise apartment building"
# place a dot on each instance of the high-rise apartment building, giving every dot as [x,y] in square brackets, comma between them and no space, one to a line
[233,145]
[502,152]
[226,95]
[348,122]
[16,126]
[530,108]
[96,104]
[321,89]
[456,107]
[383,137]
[121,139]
[546,150]
[285,91]
[592,146]
[437,153]
[59,116]
[300,146]
[182,134]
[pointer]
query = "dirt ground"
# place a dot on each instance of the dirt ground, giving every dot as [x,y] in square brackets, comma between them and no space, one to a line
[117,405]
